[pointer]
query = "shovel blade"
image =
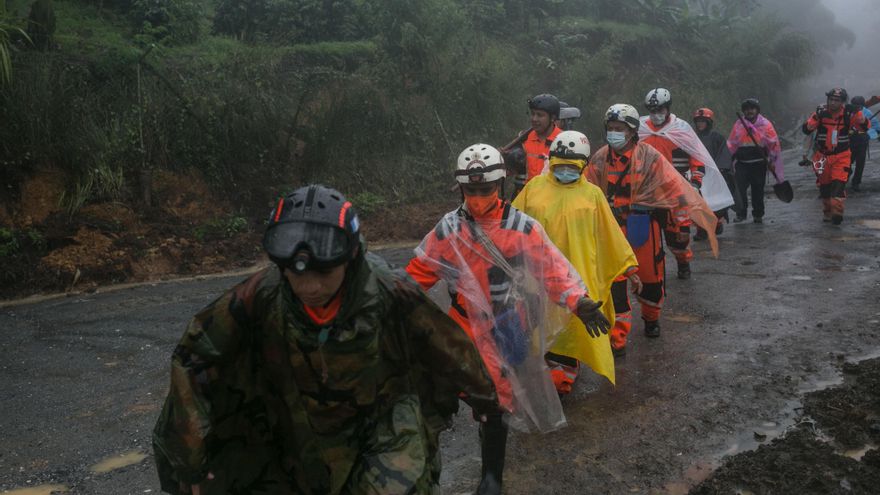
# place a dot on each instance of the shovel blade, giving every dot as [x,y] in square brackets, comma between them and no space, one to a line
[784,191]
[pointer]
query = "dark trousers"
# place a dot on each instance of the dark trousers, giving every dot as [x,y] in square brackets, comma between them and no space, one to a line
[859,147]
[752,175]
[730,180]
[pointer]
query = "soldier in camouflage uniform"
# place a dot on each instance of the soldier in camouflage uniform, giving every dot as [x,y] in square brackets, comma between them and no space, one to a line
[326,372]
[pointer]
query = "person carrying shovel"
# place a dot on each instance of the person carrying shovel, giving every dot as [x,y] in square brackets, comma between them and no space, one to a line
[755,148]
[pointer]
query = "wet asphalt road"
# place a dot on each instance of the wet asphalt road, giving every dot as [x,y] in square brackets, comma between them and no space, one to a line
[82,378]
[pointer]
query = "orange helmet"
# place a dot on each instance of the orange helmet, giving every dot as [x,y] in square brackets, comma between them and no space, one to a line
[704,113]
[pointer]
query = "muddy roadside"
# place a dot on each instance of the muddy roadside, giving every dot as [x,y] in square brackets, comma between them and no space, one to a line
[831,448]
[189,231]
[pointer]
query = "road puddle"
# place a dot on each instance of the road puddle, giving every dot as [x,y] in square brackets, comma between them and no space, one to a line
[843,268]
[751,437]
[37,490]
[118,462]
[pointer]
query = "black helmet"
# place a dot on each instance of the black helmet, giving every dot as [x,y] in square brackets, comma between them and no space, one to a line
[838,93]
[545,102]
[858,101]
[750,103]
[311,228]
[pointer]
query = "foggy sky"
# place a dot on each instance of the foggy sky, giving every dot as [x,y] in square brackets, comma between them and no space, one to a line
[856,68]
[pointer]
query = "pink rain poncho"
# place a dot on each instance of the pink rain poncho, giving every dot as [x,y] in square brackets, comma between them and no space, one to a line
[714,188]
[765,136]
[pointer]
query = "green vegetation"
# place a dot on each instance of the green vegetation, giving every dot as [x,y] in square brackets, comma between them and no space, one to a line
[373,96]
[14,242]
[8,243]
[221,228]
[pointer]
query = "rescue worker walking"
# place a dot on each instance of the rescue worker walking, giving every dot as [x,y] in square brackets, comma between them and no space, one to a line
[544,113]
[756,150]
[676,141]
[861,139]
[325,372]
[643,190]
[716,145]
[500,270]
[833,125]
[579,222]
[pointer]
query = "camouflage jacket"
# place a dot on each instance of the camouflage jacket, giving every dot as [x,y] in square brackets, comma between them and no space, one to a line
[261,396]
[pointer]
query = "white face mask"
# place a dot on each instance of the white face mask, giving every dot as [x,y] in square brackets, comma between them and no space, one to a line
[616,140]
[659,118]
[566,174]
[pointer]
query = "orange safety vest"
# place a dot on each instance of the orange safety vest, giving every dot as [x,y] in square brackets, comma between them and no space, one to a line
[537,151]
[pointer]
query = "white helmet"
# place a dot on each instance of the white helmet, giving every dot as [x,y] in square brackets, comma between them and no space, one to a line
[658,97]
[621,112]
[571,145]
[479,163]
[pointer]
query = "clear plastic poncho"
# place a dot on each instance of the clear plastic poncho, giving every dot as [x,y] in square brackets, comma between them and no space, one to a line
[656,184]
[714,188]
[501,275]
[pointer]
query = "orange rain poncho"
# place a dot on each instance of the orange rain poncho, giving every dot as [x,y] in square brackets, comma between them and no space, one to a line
[656,184]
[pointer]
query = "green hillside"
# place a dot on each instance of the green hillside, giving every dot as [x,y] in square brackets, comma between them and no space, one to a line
[373,96]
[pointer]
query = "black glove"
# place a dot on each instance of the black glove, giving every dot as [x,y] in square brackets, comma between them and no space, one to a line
[588,312]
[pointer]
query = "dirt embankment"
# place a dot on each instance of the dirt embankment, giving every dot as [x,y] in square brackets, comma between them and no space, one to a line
[832,449]
[189,230]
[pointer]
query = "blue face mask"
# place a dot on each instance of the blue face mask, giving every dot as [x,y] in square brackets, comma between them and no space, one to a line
[566,174]
[616,139]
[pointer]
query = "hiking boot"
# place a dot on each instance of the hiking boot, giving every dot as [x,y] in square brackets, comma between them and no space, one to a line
[618,352]
[684,271]
[759,220]
[701,235]
[739,219]
[652,329]
[836,219]
[719,229]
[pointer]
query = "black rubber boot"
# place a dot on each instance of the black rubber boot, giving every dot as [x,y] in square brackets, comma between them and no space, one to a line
[652,329]
[684,271]
[836,219]
[493,444]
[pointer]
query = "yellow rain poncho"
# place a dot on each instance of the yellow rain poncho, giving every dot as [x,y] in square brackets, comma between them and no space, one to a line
[578,220]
